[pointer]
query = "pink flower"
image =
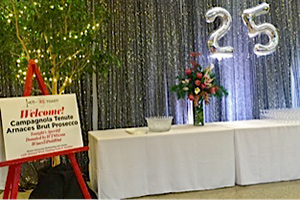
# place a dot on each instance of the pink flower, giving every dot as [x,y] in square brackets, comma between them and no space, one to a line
[195,54]
[202,86]
[212,90]
[191,97]
[197,82]
[199,75]
[188,71]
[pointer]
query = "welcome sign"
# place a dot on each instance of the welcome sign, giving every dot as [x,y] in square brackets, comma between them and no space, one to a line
[39,124]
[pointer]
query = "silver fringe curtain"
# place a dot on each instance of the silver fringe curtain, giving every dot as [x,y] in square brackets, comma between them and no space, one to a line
[153,39]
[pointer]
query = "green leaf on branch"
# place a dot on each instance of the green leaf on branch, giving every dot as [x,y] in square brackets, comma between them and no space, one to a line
[62,36]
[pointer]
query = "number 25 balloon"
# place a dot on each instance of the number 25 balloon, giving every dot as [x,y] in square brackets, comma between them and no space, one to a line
[265,28]
[212,43]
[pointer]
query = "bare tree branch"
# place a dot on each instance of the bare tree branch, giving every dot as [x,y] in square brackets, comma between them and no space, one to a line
[67,81]
[66,17]
[18,32]
[63,62]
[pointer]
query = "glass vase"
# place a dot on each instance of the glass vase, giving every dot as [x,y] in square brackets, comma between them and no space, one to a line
[198,114]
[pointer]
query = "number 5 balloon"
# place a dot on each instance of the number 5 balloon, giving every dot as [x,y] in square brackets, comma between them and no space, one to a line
[266,28]
[212,43]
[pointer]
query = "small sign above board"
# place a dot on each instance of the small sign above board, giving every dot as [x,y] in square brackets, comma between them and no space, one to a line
[37,125]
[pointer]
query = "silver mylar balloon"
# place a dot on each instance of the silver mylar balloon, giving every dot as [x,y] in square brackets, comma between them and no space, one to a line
[213,46]
[265,28]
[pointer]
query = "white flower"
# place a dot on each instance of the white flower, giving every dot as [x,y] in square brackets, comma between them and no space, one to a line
[185,88]
[183,82]
[197,90]
[187,80]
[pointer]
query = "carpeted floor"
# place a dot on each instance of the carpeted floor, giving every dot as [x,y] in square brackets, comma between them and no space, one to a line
[280,190]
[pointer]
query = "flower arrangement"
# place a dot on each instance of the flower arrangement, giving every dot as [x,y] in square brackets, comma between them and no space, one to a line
[199,84]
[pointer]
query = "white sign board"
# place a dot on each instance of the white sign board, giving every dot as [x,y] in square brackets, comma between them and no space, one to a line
[39,124]
[3,170]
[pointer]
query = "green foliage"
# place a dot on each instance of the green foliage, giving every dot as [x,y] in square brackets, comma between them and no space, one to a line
[178,89]
[62,36]
[199,84]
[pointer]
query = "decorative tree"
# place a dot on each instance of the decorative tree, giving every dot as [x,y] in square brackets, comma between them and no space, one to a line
[61,36]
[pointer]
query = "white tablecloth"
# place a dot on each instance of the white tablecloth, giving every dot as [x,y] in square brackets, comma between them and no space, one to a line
[266,151]
[186,158]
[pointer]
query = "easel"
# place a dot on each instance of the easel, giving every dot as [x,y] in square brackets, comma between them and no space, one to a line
[12,181]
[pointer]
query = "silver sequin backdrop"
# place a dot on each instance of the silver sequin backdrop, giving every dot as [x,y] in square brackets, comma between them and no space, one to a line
[153,39]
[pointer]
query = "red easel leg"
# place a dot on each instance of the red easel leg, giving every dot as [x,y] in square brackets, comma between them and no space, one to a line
[79,177]
[15,183]
[9,180]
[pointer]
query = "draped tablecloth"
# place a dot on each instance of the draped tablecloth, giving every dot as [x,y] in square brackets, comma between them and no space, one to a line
[266,151]
[185,158]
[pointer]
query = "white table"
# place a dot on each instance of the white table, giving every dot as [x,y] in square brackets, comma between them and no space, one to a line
[184,159]
[266,151]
